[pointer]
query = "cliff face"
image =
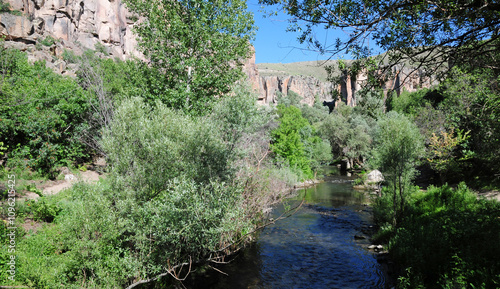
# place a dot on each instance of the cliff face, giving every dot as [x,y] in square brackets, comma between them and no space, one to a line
[310,87]
[46,28]
[73,24]
[403,79]
[306,86]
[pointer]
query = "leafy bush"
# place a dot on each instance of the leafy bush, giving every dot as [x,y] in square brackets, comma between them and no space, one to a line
[99,47]
[69,56]
[47,41]
[165,139]
[4,7]
[41,112]
[45,208]
[448,237]
[410,102]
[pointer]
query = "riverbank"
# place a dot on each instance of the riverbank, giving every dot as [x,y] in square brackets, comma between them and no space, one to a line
[317,247]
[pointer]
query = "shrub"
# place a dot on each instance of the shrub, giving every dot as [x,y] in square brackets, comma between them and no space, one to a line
[69,56]
[99,47]
[165,139]
[47,41]
[449,237]
[51,109]
[45,208]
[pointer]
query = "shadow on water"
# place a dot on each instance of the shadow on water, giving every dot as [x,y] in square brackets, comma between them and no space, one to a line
[314,248]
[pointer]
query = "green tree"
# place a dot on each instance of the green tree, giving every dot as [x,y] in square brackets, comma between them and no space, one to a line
[195,48]
[398,147]
[287,142]
[349,134]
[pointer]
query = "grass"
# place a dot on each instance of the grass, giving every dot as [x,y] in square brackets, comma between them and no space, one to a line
[308,68]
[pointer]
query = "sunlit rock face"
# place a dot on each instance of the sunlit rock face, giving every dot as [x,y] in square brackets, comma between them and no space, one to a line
[47,29]
[307,87]
[312,89]
[75,25]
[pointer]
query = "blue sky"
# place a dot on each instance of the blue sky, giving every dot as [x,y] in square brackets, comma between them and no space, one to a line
[273,44]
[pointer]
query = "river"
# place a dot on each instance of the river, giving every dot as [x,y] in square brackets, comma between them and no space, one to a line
[323,245]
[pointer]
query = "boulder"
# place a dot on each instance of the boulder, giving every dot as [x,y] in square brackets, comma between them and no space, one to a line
[374,177]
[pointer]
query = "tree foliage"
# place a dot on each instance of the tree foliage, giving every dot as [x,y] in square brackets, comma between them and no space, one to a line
[287,142]
[350,134]
[195,48]
[398,147]
[419,33]
[166,139]
[443,156]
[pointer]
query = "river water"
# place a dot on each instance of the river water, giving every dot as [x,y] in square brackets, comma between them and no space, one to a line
[323,245]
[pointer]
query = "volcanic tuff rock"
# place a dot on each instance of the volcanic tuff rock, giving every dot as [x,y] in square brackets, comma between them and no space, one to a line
[46,28]
[307,87]
[310,87]
[74,25]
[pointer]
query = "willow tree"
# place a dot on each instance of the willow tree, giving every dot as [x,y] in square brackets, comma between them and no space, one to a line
[195,48]
[398,147]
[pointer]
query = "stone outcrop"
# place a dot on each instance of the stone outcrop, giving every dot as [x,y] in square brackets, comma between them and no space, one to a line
[250,69]
[46,29]
[404,79]
[72,25]
[307,87]
[15,27]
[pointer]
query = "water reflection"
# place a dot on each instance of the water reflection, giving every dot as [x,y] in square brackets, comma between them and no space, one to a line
[315,248]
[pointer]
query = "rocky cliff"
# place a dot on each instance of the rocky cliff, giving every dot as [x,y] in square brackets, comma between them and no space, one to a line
[49,29]
[310,87]
[45,28]
[307,87]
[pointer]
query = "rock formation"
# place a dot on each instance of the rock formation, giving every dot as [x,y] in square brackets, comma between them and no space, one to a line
[310,88]
[45,28]
[306,86]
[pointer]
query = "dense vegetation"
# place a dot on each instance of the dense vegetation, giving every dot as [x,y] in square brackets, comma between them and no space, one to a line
[41,114]
[190,175]
[180,189]
[194,164]
[447,239]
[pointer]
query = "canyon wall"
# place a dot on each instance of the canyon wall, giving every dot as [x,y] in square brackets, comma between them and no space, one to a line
[307,87]
[310,88]
[45,28]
